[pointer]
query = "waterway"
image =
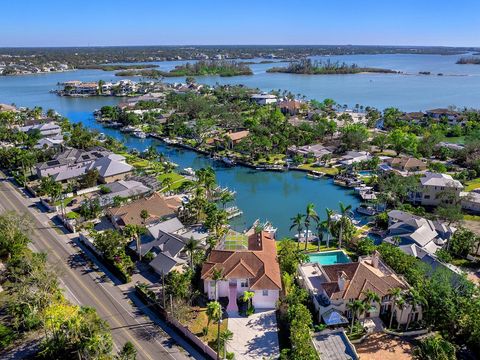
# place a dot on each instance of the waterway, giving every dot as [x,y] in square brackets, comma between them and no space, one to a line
[269,195]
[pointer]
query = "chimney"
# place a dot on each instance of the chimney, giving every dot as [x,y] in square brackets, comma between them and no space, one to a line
[375,259]
[342,279]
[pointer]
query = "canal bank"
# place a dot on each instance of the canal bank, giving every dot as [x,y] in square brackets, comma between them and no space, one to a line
[265,195]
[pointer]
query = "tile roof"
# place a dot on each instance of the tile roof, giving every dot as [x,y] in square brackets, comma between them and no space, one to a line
[156,205]
[258,263]
[359,276]
[238,135]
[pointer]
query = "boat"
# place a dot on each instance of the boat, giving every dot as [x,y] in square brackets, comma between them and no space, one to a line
[233,211]
[128,128]
[188,171]
[315,174]
[304,234]
[227,161]
[139,134]
[366,210]
[170,141]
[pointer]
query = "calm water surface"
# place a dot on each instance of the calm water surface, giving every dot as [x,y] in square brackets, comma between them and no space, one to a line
[268,195]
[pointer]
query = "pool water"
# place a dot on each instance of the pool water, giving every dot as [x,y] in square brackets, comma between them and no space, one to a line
[365,172]
[329,258]
[377,239]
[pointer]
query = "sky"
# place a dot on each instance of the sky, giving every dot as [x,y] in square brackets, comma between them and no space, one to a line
[239,22]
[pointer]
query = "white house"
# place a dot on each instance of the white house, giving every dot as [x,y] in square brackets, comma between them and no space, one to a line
[264,99]
[251,266]
[471,201]
[352,157]
[435,189]
[45,129]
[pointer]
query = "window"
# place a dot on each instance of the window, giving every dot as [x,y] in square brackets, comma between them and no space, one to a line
[244,283]
[264,292]
[427,196]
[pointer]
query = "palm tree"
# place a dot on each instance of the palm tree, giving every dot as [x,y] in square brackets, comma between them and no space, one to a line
[226,336]
[395,294]
[226,197]
[144,215]
[344,210]
[414,299]
[134,232]
[167,183]
[214,312]
[310,214]
[330,213]
[371,297]
[248,297]
[191,246]
[297,222]
[357,308]
[321,228]
[401,306]
[217,275]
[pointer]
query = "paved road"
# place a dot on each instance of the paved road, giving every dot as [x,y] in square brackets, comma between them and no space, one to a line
[85,284]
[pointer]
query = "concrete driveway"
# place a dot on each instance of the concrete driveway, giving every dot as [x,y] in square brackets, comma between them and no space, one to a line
[254,337]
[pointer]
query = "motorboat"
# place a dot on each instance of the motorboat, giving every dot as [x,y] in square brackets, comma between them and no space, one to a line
[188,171]
[366,210]
[315,174]
[139,134]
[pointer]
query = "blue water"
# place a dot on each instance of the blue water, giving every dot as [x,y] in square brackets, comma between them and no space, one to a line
[377,239]
[330,258]
[365,172]
[266,195]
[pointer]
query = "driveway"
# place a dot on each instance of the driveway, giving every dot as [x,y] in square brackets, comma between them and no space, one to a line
[254,337]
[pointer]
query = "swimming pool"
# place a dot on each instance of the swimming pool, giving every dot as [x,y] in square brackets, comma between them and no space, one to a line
[377,239]
[329,258]
[365,172]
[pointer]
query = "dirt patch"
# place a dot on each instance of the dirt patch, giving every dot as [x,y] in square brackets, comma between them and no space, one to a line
[382,346]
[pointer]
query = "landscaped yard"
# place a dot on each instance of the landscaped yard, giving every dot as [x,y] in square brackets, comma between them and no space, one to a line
[330,171]
[177,179]
[472,184]
[198,320]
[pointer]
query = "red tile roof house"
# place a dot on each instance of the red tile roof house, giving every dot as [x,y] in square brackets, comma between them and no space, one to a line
[251,268]
[332,287]
[158,207]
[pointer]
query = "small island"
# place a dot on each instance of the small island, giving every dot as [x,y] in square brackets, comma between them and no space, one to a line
[200,68]
[116,67]
[309,67]
[469,60]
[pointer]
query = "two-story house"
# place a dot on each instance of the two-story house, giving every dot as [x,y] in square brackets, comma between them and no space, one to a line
[332,287]
[435,189]
[249,265]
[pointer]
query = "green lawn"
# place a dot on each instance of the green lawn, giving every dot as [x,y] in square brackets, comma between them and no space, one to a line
[329,171]
[455,139]
[177,179]
[472,184]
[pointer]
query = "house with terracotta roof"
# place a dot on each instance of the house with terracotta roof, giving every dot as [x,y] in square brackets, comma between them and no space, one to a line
[157,206]
[247,264]
[407,164]
[332,287]
[291,107]
[235,137]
